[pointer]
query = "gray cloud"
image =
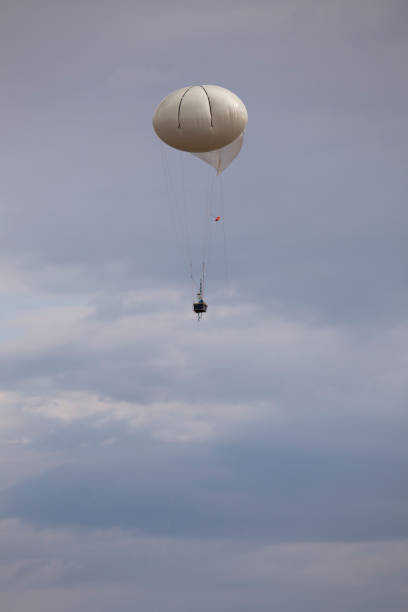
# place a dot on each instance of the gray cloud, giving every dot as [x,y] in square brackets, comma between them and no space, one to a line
[58,569]
[261,487]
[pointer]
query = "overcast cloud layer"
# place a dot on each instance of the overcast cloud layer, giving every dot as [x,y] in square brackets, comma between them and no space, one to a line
[257,460]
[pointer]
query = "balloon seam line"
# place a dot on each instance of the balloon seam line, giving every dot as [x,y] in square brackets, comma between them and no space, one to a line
[179,106]
[209,104]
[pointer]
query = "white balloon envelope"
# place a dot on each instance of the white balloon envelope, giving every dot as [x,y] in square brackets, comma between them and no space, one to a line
[206,120]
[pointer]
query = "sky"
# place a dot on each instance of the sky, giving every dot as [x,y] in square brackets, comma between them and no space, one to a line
[257,460]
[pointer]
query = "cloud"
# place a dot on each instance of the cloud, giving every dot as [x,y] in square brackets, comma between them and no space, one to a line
[58,569]
[248,484]
[128,349]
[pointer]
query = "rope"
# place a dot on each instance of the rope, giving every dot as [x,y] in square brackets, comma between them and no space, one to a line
[181,213]
[186,221]
[224,233]
[208,222]
[176,213]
